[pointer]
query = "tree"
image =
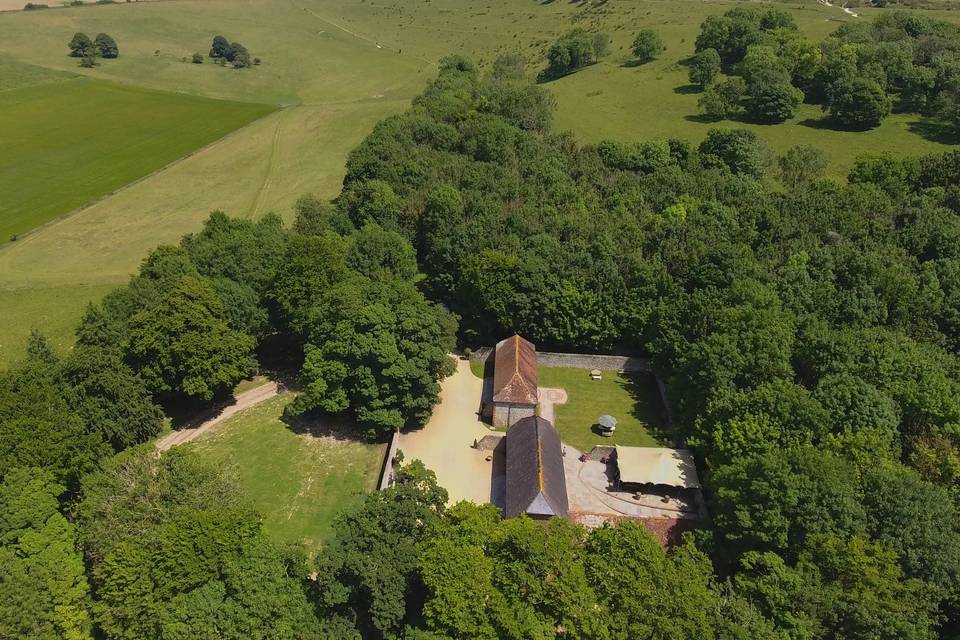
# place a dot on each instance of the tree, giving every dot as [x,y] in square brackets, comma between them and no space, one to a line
[771,98]
[240,57]
[740,150]
[37,426]
[369,571]
[43,589]
[860,104]
[775,500]
[704,67]
[221,49]
[136,491]
[800,165]
[645,591]
[573,50]
[106,46]
[647,45]
[378,349]
[183,347]
[722,100]
[81,46]
[111,400]
[856,590]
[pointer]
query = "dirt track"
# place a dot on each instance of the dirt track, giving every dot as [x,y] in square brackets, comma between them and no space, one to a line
[243,401]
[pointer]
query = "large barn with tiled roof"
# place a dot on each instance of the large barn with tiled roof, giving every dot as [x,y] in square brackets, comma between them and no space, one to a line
[514,381]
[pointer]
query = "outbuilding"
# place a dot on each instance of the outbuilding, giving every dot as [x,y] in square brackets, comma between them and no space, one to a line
[514,381]
[536,483]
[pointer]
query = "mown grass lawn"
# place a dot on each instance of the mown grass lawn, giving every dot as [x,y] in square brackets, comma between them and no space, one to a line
[297,481]
[66,142]
[630,398]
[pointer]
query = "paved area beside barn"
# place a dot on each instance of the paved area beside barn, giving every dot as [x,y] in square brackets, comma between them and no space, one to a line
[589,492]
[445,443]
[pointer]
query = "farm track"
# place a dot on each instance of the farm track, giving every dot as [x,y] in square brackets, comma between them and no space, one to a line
[242,401]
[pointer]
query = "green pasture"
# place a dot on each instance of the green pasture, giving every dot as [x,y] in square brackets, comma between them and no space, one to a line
[54,311]
[630,398]
[68,142]
[298,481]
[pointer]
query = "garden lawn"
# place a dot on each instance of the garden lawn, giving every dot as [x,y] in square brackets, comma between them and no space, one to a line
[297,481]
[68,142]
[630,398]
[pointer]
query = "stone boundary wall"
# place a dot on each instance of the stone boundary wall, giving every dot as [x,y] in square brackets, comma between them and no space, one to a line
[628,364]
[386,474]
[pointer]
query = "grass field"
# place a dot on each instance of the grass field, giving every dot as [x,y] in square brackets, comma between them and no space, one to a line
[52,310]
[631,399]
[67,143]
[339,66]
[297,481]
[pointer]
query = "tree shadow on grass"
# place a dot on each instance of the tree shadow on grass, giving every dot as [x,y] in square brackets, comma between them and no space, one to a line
[319,425]
[648,406]
[935,131]
[701,118]
[687,89]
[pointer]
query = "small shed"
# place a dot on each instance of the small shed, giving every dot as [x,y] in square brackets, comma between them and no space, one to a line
[657,466]
[514,381]
[536,483]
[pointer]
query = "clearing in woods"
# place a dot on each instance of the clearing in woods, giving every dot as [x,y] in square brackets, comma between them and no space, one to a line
[297,480]
[337,67]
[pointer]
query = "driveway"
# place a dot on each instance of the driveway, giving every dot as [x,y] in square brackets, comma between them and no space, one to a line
[445,443]
[242,401]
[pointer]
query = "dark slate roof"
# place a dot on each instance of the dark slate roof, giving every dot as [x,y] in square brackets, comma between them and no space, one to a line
[515,371]
[536,483]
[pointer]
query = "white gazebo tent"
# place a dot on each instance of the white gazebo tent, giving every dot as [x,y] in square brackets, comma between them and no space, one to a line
[657,466]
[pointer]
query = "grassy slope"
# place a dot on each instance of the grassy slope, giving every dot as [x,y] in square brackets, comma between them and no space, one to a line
[296,481]
[632,400]
[341,65]
[70,142]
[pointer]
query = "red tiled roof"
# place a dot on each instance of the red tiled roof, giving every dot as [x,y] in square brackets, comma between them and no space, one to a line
[515,371]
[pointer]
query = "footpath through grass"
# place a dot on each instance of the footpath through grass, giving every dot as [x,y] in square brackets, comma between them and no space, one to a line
[297,481]
[630,398]
[68,142]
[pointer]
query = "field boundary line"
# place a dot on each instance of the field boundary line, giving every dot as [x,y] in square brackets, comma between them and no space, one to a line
[27,235]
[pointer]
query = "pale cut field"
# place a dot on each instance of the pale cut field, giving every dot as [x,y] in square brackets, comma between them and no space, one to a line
[337,67]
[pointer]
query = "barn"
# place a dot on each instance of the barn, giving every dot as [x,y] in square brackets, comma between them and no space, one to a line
[536,483]
[514,381]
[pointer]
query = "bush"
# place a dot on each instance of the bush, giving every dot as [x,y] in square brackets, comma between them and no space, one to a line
[197,58]
[30,6]
[88,62]
[647,46]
